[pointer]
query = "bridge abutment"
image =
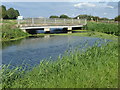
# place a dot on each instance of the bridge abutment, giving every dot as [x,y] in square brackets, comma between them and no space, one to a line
[46,30]
[24,30]
[69,28]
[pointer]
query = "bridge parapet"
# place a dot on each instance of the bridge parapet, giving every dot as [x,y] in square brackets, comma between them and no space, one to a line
[50,22]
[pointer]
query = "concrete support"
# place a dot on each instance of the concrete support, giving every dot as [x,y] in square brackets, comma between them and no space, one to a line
[46,29]
[24,30]
[69,28]
[69,32]
[47,36]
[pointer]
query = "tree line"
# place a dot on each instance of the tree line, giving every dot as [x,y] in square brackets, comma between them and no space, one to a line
[11,13]
[117,18]
[61,16]
[88,17]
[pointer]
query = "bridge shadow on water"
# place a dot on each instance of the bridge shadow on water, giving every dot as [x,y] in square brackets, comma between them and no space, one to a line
[56,31]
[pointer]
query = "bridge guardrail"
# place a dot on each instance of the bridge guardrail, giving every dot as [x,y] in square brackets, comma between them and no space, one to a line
[51,22]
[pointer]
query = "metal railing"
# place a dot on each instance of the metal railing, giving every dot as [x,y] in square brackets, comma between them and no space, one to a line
[51,22]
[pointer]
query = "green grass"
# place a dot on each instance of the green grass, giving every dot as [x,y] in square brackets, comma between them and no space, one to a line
[95,68]
[11,32]
[104,28]
[9,21]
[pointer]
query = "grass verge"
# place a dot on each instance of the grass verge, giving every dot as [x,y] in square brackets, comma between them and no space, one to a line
[11,32]
[104,28]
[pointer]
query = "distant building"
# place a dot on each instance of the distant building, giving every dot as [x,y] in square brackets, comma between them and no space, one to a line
[20,18]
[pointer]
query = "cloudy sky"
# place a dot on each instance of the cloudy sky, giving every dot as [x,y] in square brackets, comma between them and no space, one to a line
[72,9]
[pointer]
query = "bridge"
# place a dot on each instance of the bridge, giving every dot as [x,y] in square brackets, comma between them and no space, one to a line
[47,23]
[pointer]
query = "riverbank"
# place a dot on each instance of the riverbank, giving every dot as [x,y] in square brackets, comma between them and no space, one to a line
[95,68]
[11,32]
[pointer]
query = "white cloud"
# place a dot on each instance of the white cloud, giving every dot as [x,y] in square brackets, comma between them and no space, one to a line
[105,13]
[81,5]
[94,5]
[109,6]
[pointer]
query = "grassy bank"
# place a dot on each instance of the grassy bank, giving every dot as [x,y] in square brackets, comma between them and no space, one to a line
[11,32]
[104,28]
[95,68]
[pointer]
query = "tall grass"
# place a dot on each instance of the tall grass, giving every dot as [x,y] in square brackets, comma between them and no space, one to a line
[10,31]
[104,28]
[95,68]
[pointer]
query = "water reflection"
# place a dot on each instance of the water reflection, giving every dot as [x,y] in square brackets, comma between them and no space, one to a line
[6,44]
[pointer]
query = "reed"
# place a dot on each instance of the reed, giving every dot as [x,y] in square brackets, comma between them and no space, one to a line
[104,28]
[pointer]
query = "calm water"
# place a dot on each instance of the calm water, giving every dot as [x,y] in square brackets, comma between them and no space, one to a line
[34,49]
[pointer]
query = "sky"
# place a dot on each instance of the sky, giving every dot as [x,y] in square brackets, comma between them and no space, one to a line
[45,9]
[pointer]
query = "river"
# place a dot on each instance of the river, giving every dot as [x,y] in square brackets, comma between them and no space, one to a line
[31,50]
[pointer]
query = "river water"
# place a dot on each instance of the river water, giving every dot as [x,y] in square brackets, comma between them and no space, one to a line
[32,50]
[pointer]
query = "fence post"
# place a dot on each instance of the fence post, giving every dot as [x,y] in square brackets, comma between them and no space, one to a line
[44,20]
[55,20]
[64,21]
[79,21]
[72,20]
[85,21]
[32,21]
[18,22]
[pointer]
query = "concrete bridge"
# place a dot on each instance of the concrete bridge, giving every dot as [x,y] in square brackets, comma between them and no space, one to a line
[47,23]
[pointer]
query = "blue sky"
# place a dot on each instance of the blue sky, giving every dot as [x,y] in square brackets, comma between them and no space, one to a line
[72,9]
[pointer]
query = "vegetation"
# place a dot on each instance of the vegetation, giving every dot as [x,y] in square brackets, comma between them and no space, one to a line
[90,17]
[61,16]
[11,13]
[64,16]
[104,28]
[117,18]
[54,16]
[11,32]
[95,68]
[3,11]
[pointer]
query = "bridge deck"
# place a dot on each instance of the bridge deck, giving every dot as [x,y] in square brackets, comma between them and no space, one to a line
[47,23]
[42,27]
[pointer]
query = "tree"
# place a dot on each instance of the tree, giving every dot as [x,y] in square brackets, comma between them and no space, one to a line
[117,18]
[12,14]
[95,18]
[88,17]
[104,19]
[17,13]
[54,17]
[64,16]
[4,12]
